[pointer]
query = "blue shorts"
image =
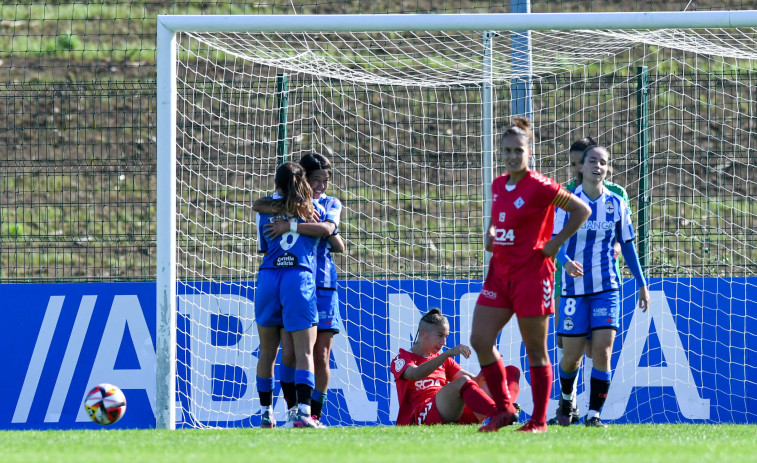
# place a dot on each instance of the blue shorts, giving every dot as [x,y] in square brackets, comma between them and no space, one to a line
[328,310]
[580,315]
[286,297]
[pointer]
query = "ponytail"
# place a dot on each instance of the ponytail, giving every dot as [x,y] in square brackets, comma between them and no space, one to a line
[296,192]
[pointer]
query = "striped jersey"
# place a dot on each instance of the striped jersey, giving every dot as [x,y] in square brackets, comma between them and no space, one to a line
[592,245]
[612,186]
[290,249]
[523,217]
[325,276]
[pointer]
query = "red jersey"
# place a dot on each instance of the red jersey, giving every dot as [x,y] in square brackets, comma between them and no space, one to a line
[523,218]
[413,395]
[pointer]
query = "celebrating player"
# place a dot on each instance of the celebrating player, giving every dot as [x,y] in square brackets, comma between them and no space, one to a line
[520,276]
[591,282]
[575,153]
[318,171]
[289,263]
[432,388]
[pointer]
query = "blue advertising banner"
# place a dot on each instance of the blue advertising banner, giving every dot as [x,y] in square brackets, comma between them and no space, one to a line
[687,359]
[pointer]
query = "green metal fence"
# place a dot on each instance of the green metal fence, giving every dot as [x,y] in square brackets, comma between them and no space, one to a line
[78,155]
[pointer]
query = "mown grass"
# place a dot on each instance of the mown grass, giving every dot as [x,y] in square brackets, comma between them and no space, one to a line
[619,443]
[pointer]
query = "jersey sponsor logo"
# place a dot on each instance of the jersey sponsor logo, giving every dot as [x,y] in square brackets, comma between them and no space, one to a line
[504,236]
[597,225]
[489,294]
[519,202]
[398,364]
[501,216]
[494,198]
[423,384]
[286,260]
[542,179]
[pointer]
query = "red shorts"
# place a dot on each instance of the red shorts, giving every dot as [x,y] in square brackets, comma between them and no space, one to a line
[427,413]
[531,297]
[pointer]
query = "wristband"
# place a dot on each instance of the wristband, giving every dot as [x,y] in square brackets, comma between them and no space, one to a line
[293,226]
[336,231]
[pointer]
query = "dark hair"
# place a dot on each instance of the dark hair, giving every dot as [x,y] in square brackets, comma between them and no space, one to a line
[582,144]
[434,317]
[520,127]
[593,147]
[315,161]
[296,192]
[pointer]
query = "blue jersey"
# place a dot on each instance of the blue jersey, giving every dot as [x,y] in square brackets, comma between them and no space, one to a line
[326,270]
[592,245]
[290,249]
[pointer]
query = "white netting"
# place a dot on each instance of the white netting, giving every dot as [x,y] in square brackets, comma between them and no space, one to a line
[399,114]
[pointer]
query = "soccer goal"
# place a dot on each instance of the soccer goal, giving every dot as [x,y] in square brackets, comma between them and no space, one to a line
[409,110]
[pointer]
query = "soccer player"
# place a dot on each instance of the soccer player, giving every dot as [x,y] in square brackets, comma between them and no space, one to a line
[318,172]
[575,153]
[591,282]
[289,263]
[432,388]
[520,276]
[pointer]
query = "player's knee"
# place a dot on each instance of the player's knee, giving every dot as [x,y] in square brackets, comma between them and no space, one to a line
[480,343]
[465,382]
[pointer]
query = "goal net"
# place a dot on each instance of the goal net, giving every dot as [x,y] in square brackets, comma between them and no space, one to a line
[404,118]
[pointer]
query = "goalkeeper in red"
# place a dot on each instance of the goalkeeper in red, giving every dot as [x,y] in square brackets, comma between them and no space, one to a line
[432,387]
[520,278]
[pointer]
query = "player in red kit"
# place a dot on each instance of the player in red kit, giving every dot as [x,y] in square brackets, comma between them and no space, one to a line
[432,388]
[520,277]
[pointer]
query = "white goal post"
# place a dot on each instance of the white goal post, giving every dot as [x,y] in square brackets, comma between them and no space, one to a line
[214,248]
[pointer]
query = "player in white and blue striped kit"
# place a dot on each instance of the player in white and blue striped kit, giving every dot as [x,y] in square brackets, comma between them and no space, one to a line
[590,283]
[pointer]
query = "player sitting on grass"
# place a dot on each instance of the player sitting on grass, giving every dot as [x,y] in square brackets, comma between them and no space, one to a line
[432,388]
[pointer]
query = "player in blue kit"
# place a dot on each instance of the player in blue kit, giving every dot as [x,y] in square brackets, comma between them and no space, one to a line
[590,284]
[285,291]
[318,171]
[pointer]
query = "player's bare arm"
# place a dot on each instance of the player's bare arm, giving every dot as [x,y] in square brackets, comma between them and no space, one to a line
[279,227]
[416,372]
[489,238]
[579,213]
[644,298]
[337,244]
[268,206]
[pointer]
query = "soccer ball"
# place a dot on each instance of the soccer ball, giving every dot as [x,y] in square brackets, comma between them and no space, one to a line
[105,404]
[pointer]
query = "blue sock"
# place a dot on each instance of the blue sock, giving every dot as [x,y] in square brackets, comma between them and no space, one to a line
[286,374]
[304,377]
[265,390]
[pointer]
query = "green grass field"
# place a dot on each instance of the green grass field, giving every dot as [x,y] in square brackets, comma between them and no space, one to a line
[619,443]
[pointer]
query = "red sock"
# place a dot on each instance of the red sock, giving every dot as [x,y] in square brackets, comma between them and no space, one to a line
[496,381]
[513,378]
[476,399]
[541,388]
